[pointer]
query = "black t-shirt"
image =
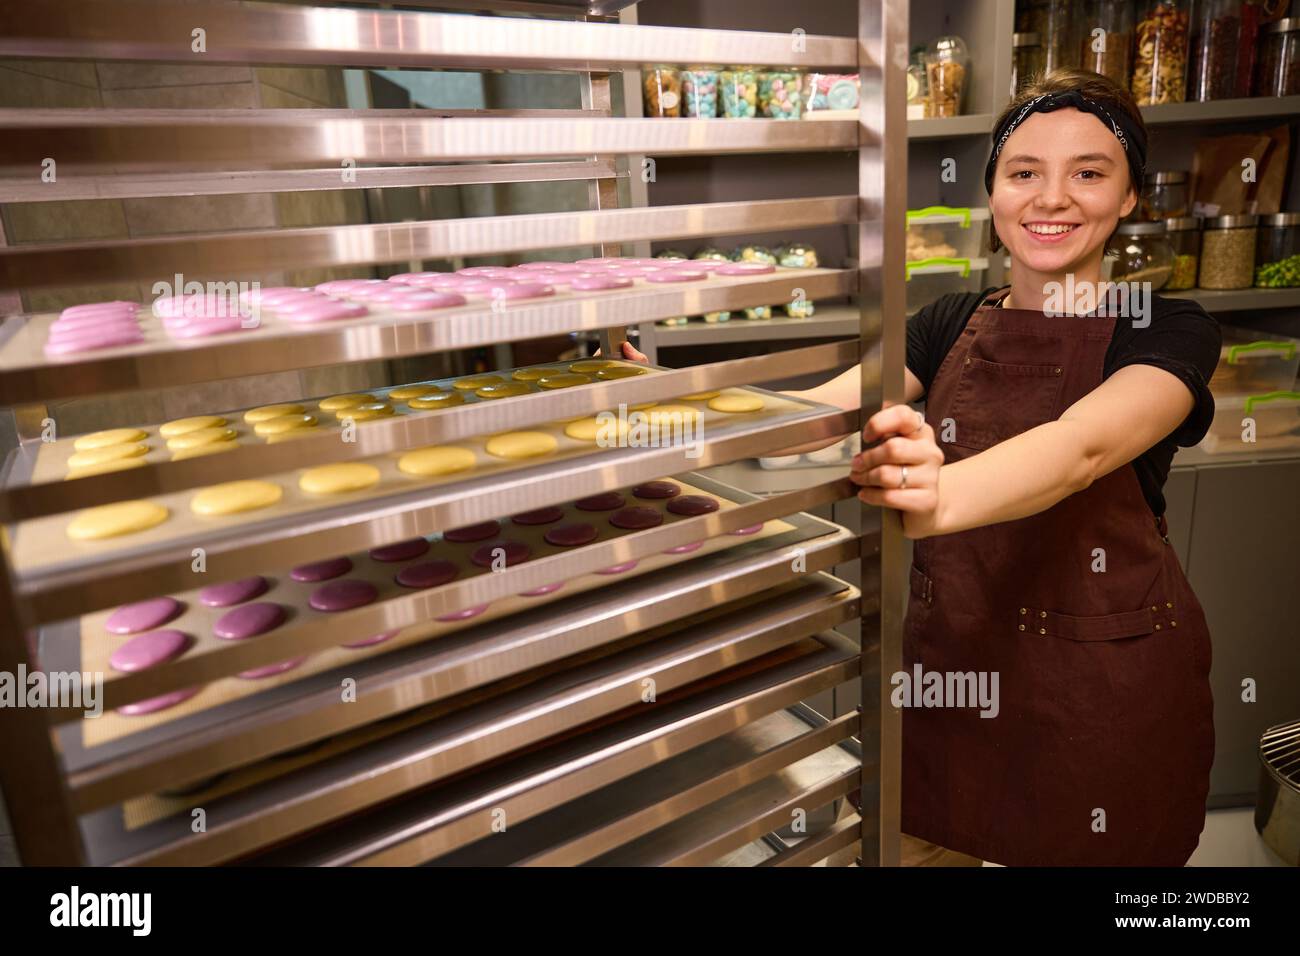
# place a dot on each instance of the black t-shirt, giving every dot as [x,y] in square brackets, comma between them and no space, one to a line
[1182,338]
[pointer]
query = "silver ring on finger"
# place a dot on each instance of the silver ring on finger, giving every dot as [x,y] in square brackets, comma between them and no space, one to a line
[903,484]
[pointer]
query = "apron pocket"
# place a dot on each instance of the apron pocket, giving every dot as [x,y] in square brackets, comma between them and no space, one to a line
[1100,627]
[993,402]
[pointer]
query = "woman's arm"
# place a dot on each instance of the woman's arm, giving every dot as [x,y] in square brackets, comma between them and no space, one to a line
[1109,427]
[844,391]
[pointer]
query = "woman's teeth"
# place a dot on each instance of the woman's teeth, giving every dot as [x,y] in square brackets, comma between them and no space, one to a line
[1044,229]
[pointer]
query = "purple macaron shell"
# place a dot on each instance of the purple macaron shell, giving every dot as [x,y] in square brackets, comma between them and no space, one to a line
[686,548]
[343,595]
[249,620]
[376,639]
[143,615]
[321,570]
[472,532]
[149,650]
[427,574]
[571,535]
[401,550]
[162,702]
[463,615]
[692,505]
[656,489]
[540,516]
[513,552]
[270,670]
[637,517]
[605,501]
[229,593]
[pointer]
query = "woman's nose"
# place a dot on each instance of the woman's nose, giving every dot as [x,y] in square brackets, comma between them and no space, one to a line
[1054,194]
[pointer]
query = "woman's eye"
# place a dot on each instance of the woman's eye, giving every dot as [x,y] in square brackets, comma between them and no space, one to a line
[1089,174]
[1022,174]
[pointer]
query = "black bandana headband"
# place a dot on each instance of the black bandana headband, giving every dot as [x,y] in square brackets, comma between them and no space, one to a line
[1131,138]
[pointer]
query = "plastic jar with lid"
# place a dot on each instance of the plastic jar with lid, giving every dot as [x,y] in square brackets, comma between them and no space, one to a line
[1161,38]
[1026,60]
[1164,196]
[1106,39]
[1054,22]
[780,95]
[1277,254]
[1184,233]
[662,87]
[700,92]
[946,67]
[739,88]
[1279,63]
[1214,50]
[1145,254]
[1228,252]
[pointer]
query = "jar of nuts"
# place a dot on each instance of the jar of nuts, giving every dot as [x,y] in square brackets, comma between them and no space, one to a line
[946,65]
[1160,55]
[663,92]
[1106,39]
[1228,252]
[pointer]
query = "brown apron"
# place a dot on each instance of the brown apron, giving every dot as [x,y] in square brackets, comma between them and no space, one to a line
[1101,751]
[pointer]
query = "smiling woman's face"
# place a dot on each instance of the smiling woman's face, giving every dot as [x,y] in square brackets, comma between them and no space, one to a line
[1060,187]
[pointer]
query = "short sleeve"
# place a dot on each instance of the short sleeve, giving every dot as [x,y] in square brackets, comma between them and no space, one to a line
[1184,340]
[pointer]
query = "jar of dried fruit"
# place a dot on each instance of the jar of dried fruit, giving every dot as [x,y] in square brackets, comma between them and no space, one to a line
[1214,50]
[1160,51]
[1184,235]
[1026,60]
[946,66]
[1279,64]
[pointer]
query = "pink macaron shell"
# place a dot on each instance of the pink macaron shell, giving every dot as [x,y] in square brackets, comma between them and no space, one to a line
[91,308]
[686,548]
[699,265]
[384,292]
[521,290]
[464,614]
[93,318]
[676,275]
[343,595]
[599,283]
[487,272]
[108,339]
[415,278]
[272,293]
[602,261]
[249,620]
[343,286]
[419,301]
[477,285]
[330,312]
[628,272]
[143,615]
[230,593]
[544,589]
[618,568]
[203,328]
[270,670]
[155,704]
[148,650]
[751,529]
[376,639]
[99,329]
[746,269]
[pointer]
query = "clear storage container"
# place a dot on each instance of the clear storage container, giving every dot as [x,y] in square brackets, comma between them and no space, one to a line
[1271,419]
[1184,235]
[930,278]
[780,95]
[1106,39]
[1279,64]
[1145,254]
[1161,37]
[1054,22]
[946,232]
[1164,196]
[1228,252]
[947,66]
[1215,34]
[700,92]
[662,88]
[830,91]
[1253,362]
[1277,251]
[1026,60]
[739,88]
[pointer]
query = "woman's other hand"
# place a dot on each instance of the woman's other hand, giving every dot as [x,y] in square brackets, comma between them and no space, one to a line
[897,437]
[630,353]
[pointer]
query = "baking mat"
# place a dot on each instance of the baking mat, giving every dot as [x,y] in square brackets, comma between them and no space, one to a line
[42,544]
[23,340]
[197,620]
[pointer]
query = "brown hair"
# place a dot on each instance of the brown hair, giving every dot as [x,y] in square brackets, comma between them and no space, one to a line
[1095,87]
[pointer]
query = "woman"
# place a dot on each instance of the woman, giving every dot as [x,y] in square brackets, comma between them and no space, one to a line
[1032,489]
